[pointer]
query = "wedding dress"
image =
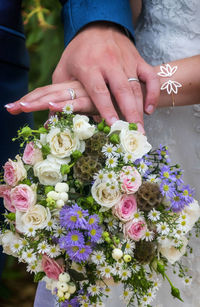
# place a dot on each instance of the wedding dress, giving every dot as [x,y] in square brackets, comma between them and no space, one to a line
[168,30]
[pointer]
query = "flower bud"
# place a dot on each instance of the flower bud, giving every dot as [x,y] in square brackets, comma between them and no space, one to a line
[62,286]
[63,196]
[106,129]
[60,203]
[67,295]
[114,138]
[72,288]
[133,126]
[64,277]
[76,154]
[61,187]
[54,195]
[117,253]
[65,169]
[127,258]
[60,294]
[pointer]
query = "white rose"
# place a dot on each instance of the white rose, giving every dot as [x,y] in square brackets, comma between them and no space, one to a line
[134,142]
[63,143]
[37,217]
[118,126]
[192,212]
[62,187]
[48,170]
[82,128]
[104,195]
[171,253]
[7,240]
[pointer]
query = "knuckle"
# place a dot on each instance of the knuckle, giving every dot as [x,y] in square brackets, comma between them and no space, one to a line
[136,89]
[100,89]
[123,89]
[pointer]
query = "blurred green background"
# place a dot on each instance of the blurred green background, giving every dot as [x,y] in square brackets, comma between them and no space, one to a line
[44,33]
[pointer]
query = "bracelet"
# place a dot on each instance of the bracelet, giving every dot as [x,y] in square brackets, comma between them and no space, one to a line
[171,86]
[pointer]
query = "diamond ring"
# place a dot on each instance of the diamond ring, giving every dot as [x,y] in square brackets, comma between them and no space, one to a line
[72,93]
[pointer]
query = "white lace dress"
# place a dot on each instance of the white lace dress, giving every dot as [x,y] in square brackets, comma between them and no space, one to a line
[169,30]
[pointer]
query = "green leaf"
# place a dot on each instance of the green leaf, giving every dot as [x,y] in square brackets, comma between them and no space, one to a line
[123,247]
[38,276]
[76,275]
[46,150]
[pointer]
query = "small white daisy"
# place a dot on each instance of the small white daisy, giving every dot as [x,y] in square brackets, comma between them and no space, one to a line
[105,271]
[117,268]
[129,157]
[111,176]
[43,247]
[154,215]
[130,246]
[137,215]
[58,232]
[142,168]
[30,231]
[109,150]
[53,120]
[125,274]
[29,256]
[99,176]
[111,223]
[111,162]
[54,251]
[127,295]
[98,257]
[51,225]
[94,290]
[16,246]
[107,290]
[148,235]
[135,268]
[34,267]
[163,228]
[153,178]
[68,109]
[187,280]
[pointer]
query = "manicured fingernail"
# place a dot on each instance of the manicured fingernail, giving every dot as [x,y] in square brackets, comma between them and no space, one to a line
[150,109]
[9,106]
[113,120]
[140,128]
[23,104]
[52,104]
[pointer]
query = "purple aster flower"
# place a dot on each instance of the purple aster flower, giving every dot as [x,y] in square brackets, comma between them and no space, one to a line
[187,193]
[166,173]
[177,203]
[95,234]
[74,238]
[93,220]
[163,153]
[71,303]
[79,254]
[73,217]
[167,188]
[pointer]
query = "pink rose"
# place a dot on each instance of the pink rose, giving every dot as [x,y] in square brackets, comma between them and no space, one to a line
[32,154]
[5,192]
[51,268]
[14,171]
[126,208]
[130,180]
[135,229]
[23,197]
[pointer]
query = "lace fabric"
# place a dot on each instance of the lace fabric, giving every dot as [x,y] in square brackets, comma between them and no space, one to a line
[169,30]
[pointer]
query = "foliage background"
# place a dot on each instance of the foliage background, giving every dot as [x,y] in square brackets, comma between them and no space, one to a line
[44,33]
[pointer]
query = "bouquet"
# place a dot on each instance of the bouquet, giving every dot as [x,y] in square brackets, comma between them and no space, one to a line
[89,206]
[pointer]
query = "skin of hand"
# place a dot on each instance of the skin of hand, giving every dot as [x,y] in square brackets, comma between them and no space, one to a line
[102,58]
[187,74]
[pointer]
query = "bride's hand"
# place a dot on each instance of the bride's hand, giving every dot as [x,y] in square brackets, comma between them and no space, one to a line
[54,97]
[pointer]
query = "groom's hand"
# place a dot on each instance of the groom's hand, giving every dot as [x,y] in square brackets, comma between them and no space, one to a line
[102,58]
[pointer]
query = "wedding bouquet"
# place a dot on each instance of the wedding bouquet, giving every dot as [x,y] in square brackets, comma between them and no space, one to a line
[89,206]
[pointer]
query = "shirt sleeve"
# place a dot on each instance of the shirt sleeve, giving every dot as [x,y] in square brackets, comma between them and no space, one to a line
[78,13]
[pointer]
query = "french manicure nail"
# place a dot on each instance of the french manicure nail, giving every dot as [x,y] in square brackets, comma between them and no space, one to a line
[52,104]
[23,104]
[140,128]
[8,106]
[150,109]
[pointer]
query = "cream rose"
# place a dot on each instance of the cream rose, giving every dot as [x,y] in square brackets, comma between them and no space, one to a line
[63,143]
[7,240]
[105,195]
[170,252]
[134,142]
[36,217]
[48,170]
[192,212]
[82,128]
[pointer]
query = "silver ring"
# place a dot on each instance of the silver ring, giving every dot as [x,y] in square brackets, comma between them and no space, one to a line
[133,79]
[72,93]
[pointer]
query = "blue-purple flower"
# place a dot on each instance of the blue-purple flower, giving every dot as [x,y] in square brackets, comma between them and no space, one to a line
[71,303]
[95,234]
[93,220]
[73,217]
[177,202]
[73,238]
[79,254]
[167,188]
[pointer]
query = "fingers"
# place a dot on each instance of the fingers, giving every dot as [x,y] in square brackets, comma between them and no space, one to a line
[96,88]
[81,105]
[147,74]
[127,95]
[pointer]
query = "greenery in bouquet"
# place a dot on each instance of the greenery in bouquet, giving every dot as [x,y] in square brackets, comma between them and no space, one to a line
[89,206]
